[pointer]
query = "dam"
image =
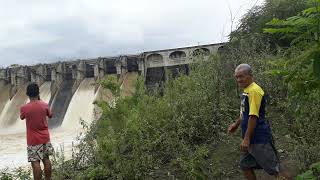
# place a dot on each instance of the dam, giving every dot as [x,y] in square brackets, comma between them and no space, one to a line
[71,87]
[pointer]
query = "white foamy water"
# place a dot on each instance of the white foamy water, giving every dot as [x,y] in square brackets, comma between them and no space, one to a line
[13,147]
[81,106]
[45,93]
[11,110]
[4,95]
[13,140]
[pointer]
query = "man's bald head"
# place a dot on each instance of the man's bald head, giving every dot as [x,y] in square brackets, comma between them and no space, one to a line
[243,75]
[244,67]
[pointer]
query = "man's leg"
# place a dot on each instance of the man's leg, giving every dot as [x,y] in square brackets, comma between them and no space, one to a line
[266,156]
[36,168]
[47,168]
[249,174]
[247,164]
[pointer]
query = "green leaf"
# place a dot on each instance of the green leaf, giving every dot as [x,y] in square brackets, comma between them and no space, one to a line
[279,30]
[277,72]
[275,21]
[308,175]
[310,11]
[316,167]
[293,18]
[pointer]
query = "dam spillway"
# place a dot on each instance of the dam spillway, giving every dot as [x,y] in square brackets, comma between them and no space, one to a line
[81,105]
[11,111]
[60,103]
[45,93]
[71,87]
[4,94]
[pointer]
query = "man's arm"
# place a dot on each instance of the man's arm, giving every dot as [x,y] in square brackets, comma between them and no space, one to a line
[252,122]
[234,126]
[22,114]
[49,112]
[251,125]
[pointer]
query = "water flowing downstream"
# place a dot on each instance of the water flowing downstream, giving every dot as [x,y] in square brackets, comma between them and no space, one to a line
[11,110]
[13,137]
[81,105]
[60,103]
[4,95]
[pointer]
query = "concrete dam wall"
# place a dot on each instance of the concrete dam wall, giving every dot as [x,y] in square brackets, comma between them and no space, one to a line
[62,82]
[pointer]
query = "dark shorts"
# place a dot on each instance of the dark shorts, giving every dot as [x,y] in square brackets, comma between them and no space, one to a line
[261,156]
[39,152]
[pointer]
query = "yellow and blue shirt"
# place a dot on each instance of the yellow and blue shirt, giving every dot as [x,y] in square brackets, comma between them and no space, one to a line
[253,103]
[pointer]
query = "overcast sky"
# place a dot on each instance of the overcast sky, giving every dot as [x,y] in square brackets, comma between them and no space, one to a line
[43,31]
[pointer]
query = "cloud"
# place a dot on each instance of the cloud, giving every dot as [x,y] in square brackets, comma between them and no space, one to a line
[44,31]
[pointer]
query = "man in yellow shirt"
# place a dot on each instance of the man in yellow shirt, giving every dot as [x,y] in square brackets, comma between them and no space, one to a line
[257,150]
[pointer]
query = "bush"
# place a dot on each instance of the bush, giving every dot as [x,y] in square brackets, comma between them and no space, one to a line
[18,173]
[312,174]
[173,131]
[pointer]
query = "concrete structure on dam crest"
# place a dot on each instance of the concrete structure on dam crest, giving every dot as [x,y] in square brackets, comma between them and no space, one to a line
[153,65]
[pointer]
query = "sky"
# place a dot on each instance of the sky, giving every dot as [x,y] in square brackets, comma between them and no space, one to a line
[44,31]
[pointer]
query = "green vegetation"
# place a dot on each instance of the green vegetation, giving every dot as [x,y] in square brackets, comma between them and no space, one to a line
[161,136]
[180,131]
[19,173]
[311,174]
